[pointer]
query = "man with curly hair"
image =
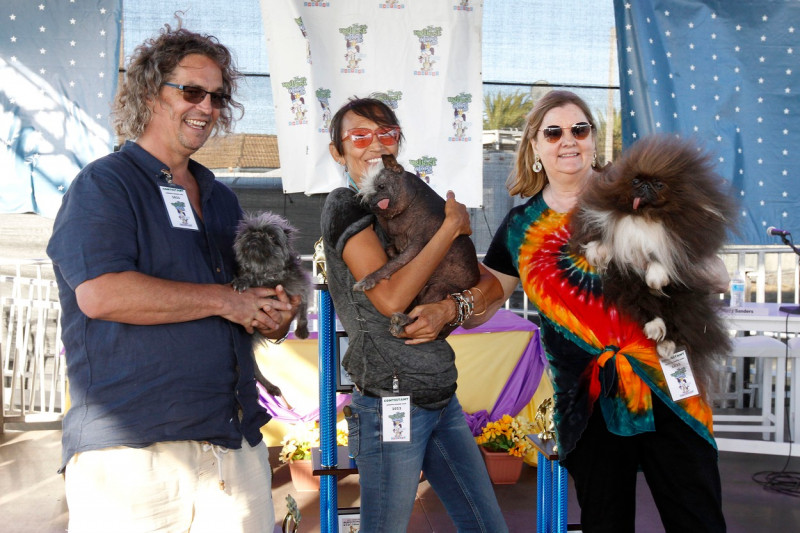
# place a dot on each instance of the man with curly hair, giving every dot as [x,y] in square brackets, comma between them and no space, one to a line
[163,432]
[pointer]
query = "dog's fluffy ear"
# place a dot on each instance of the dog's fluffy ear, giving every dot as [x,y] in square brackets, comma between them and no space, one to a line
[367,186]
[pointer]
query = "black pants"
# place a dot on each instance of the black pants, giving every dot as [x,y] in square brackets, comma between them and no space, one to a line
[679,465]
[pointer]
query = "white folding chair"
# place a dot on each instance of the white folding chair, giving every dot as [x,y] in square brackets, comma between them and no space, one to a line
[770,355]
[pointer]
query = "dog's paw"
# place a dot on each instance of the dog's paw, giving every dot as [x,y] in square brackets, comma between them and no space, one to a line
[398,323]
[665,349]
[301,330]
[598,255]
[656,276]
[239,286]
[365,284]
[656,329]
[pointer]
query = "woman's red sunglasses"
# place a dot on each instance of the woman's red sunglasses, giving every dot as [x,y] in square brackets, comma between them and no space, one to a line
[362,137]
[580,131]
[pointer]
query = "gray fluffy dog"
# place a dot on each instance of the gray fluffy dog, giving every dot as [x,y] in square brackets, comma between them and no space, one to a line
[264,248]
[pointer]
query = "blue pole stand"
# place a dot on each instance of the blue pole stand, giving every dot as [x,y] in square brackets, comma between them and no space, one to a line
[544,486]
[328,498]
[561,497]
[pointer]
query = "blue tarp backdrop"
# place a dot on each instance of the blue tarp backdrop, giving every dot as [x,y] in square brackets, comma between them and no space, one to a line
[724,73]
[58,77]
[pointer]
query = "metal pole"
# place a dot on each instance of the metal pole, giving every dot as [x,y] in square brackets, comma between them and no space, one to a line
[328,498]
[561,483]
[543,488]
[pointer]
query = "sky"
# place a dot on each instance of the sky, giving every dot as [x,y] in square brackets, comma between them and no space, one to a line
[524,41]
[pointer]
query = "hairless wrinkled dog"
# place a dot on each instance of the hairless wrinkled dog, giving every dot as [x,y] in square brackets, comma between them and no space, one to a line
[410,212]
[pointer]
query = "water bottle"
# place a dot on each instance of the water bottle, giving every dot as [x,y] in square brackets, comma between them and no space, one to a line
[737,290]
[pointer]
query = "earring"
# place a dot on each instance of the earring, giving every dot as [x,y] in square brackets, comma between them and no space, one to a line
[537,165]
[594,160]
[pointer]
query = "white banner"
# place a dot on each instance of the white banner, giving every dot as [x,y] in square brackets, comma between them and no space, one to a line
[425,59]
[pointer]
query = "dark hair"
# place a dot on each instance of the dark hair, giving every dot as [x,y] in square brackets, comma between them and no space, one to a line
[371,108]
[523,180]
[151,65]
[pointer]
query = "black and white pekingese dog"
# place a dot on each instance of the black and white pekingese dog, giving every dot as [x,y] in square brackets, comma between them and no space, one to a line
[265,254]
[652,225]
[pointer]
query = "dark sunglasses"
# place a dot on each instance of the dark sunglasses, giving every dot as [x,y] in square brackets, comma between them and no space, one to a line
[580,131]
[195,95]
[362,137]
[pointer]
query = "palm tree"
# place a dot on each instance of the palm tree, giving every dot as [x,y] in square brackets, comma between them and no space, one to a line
[506,110]
[616,146]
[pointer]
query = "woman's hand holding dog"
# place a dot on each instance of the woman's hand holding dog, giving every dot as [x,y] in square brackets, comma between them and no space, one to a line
[456,216]
[429,321]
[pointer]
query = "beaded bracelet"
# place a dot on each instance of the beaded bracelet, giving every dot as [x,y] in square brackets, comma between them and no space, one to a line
[464,307]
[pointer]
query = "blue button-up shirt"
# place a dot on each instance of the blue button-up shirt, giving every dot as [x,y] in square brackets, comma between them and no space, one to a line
[135,385]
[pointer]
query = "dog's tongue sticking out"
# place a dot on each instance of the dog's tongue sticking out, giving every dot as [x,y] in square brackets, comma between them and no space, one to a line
[383,204]
[636,203]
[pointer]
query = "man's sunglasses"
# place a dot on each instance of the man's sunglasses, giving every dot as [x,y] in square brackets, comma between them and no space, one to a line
[580,131]
[362,137]
[195,95]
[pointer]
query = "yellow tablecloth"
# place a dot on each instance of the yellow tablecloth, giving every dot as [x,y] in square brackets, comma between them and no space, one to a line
[484,361]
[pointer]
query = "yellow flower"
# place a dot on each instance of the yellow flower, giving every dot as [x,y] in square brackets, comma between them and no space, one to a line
[509,434]
[297,444]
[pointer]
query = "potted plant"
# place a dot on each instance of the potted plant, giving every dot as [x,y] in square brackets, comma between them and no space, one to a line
[503,444]
[296,452]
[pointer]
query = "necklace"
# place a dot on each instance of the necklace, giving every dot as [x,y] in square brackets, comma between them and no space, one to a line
[350,182]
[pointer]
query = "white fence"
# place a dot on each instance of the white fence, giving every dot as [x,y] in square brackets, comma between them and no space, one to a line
[33,369]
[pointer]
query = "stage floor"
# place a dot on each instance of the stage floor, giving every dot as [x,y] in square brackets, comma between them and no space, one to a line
[32,493]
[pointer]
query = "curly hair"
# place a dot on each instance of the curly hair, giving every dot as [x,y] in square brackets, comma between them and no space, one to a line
[153,62]
[523,180]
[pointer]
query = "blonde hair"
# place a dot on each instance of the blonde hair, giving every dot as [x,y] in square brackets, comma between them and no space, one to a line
[523,181]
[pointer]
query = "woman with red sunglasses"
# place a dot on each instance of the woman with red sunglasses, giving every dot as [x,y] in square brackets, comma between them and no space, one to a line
[388,370]
[613,420]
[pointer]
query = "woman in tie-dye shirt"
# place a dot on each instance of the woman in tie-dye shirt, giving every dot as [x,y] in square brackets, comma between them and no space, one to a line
[613,411]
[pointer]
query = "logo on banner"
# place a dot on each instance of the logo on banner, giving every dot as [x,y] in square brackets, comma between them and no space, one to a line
[323,97]
[316,4]
[460,105]
[424,167]
[297,92]
[391,4]
[390,98]
[427,39]
[354,39]
[302,27]
[463,5]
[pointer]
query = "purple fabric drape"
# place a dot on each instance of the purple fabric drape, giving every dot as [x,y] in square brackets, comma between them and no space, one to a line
[516,393]
[521,384]
[292,416]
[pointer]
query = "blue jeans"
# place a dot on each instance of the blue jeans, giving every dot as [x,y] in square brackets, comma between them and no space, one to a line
[442,446]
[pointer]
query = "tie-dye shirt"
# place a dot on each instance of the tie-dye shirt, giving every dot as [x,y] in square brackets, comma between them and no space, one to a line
[596,355]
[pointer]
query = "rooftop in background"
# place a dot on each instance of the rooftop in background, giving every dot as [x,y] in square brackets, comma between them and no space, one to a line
[240,151]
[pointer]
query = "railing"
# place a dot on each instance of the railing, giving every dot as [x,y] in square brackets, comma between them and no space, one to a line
[33,370]
[772,274]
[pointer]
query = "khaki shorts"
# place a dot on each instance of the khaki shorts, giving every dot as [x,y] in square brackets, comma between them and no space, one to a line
[172,487]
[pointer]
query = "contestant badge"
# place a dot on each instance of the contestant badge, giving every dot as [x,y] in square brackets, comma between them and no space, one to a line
[396,417]
[679,376]
[178,207]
